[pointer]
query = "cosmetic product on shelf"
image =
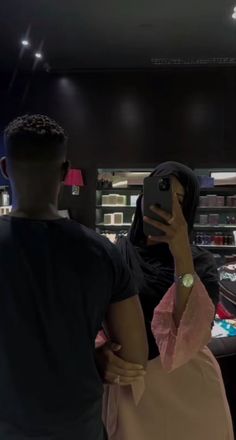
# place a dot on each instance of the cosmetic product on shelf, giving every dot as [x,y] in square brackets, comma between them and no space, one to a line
[5,198]
[206,181]
[120,184]
[220,201]
[133,200]
[226,241]
[121,200]
[214,219]
[204,220]
[229,201]
[234,235]
[212,200]
[218,239]
[118,218]
[5,210]
[112,199]
[203,203]
[105,200]
[104,184]
[108,219]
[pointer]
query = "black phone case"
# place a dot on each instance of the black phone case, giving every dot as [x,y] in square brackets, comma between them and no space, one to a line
[154,196]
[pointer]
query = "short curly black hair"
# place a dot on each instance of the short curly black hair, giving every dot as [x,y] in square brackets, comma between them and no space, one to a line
[34,137]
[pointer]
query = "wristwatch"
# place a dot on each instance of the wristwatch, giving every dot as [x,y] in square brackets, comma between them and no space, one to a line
[186,280]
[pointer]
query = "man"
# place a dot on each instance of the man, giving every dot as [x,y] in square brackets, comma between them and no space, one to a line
[59,281]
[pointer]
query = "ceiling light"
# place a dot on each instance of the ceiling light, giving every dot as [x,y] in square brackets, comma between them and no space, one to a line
[38,55]
[25,43]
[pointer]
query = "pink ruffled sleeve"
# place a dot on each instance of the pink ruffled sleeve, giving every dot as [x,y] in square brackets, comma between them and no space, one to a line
[178,345]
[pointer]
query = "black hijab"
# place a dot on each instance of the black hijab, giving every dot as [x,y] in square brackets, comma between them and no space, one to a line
[191,199]
[152,267]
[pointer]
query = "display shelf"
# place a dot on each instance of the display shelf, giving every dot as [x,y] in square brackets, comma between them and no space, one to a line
[218,247]
[128,189]
[120,226]
[220,190]
[115,207]
[214,227]
[216,209]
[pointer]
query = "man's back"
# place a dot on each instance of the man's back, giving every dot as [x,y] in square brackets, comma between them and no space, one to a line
[57,280]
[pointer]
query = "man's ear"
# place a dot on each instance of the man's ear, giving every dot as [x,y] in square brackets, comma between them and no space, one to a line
[3,167]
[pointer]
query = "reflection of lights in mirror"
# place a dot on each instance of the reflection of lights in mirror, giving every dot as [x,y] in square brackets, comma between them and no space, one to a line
[38,55]
[25,43]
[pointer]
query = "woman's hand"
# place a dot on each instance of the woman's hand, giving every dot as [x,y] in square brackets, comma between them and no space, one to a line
[176,235]
[114,370]
[176,229]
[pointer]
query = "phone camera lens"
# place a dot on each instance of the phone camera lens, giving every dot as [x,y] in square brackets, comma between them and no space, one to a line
[164,184]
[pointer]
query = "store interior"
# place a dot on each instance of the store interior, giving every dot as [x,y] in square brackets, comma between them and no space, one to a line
[131,97]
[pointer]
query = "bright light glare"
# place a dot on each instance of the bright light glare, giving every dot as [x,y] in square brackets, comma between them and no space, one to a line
[25,43]
[38,55]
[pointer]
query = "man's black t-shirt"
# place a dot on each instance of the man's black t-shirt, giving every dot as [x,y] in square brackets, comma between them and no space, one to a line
[57,279]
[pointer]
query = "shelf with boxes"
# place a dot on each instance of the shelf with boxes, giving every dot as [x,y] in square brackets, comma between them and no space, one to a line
[219,247]
[116,209]
[215,224]
[113,226]
[113,207]
[116,197]
[208,227]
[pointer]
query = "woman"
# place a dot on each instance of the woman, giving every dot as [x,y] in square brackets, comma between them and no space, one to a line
[182,396]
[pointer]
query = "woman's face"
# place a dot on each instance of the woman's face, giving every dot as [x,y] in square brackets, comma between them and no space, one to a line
[178,189]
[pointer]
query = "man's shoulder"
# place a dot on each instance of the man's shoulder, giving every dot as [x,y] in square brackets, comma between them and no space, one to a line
[92,238]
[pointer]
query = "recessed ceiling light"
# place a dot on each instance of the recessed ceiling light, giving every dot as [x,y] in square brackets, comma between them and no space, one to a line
[38,55]
[25,43]
[234,15]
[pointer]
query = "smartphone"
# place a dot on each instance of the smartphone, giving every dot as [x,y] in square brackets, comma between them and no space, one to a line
[157,192]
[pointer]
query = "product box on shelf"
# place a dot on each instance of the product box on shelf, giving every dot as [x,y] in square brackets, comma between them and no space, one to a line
[133,200]
[114,200]
[116,218]
[5,210]
[206,181]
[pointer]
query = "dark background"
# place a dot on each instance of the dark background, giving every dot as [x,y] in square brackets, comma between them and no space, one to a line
[131,119]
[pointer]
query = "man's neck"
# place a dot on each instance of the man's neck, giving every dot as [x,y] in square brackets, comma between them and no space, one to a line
[48,212]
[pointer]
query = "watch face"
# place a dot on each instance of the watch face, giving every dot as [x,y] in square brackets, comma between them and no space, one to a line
[188,280]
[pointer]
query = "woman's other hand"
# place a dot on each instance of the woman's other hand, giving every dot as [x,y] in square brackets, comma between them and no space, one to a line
[113,369]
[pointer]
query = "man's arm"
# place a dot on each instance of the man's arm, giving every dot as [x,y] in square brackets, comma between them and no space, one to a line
[125,326]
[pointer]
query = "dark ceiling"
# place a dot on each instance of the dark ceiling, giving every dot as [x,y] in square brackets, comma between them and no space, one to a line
[78,34]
